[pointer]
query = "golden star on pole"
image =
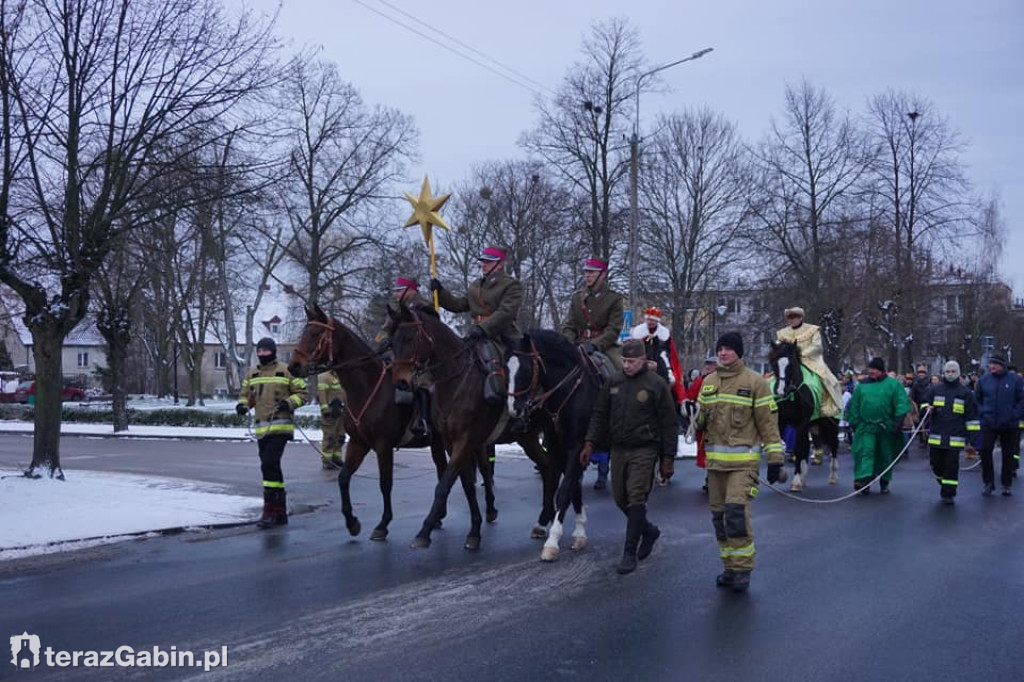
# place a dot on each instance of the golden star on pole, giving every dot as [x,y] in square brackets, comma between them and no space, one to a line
[425,210]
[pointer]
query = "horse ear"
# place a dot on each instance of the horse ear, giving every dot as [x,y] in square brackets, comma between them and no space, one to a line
[317,314]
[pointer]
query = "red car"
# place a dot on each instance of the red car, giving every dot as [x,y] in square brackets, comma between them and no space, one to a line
[27,388]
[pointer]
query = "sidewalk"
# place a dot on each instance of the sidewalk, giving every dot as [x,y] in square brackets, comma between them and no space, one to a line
[136,431]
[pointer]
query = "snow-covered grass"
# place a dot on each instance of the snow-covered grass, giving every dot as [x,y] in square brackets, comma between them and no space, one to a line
[43,516]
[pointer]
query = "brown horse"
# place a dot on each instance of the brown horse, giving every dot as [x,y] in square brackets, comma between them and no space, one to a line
[372,419]
[427,352]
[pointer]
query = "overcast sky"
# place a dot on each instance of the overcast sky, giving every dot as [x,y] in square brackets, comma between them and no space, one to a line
[966,57]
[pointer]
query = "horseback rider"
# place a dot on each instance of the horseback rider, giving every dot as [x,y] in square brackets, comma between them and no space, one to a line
[493,304]
[808,338]
[595,313]
[661,350]
[406,291]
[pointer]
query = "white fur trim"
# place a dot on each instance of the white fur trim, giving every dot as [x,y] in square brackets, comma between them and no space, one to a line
[640,332]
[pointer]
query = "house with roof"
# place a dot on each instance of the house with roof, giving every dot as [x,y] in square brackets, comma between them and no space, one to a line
[84,348]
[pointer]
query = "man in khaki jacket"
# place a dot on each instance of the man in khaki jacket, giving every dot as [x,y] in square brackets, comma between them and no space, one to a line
[595,313]
[739,417]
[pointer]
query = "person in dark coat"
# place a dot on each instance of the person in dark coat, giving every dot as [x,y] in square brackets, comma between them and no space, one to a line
[1000,396]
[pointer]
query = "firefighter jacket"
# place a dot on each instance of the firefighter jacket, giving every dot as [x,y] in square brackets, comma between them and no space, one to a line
[595,315]
[635,412]
[954,414]
[1000,400]
[493,303]
[739,416]
[264,387]
[328,389]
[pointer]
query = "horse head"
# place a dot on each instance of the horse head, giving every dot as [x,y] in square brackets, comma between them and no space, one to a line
[785,361]
[417,334]
[314,352]
[525,367]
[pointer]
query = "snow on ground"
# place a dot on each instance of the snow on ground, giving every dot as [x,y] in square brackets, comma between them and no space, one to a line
[41,516]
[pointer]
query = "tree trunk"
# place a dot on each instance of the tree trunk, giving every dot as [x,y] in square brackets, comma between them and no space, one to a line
[47,342]
[117,354]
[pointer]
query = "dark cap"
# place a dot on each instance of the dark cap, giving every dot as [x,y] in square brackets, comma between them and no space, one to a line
[633,348]
[731,340]
[998,359]
[267,343]
[877,363]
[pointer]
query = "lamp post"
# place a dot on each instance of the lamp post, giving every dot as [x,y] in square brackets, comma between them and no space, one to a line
[634,143]
[721,310]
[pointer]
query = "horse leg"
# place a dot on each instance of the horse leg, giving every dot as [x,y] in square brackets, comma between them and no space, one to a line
[801,453]
[549,481]
[440,457]
[386,467]
[487,470]
[441,492]
[468,477]
[355,452]
[579,532]
[562,501]
[832,439]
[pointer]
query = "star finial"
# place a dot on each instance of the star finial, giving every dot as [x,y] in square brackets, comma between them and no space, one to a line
[425,210]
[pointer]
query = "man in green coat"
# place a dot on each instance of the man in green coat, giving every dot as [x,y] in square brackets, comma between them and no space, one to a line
[493,304]
[876,413]
[595,313]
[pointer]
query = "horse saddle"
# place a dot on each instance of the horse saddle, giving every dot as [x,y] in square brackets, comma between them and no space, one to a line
[598,363]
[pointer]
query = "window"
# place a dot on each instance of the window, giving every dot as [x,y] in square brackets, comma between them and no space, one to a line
[275,328]
[220,359]
[83,359]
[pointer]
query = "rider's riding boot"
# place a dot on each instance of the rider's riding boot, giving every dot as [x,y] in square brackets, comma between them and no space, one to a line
[636,518]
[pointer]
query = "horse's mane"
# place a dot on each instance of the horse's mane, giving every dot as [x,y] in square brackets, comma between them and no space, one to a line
[362,344]
[555,350]
[784,348]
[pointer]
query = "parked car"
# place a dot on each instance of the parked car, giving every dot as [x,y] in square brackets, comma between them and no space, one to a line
[28,388]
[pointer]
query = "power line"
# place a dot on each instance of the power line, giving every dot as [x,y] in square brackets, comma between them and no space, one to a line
[518,74]
[430,38]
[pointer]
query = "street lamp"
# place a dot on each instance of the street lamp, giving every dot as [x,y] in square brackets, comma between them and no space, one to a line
[634,142]
[721,310]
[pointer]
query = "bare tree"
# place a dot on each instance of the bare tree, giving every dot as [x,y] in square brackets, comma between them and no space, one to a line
[694,191]
[580,132]
[811,166]
[96,87]
[342,160]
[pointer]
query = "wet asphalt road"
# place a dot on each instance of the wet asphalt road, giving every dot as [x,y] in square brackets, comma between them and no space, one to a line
[894,587]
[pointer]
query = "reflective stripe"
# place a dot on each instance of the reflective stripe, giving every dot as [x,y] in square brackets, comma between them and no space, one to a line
[746,456]
[253,381]
[947,481]
[753,492]
[726,552]
[939,401]
[974,425]
[273,484]
[276,426]
[934,440]
[957,441]
[773,447]
[958,406]
[767,400]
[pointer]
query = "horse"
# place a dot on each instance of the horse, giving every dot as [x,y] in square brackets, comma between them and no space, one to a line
[553,377]
[429,354]
[372,419]
[797,405]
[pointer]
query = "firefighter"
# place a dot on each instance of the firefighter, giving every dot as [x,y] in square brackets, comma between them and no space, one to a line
[954,415]
[331,397]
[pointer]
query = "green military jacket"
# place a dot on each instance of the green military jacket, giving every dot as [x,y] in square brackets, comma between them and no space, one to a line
[635,412]
[594,316]
[492,301]
[263,388]
[739,416]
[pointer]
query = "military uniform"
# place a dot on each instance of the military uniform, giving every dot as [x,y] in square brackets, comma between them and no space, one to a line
[331,397]
[273,394]
[739,417]
[645,431]
[812,355]
[595,316]
[493,304]
[954,416]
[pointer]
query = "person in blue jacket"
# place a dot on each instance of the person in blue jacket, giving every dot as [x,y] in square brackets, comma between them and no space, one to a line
[1000,397]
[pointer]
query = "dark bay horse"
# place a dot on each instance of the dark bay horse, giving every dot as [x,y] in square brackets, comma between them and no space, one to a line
[797,405]
[372,419]
[430,355]
[553,377]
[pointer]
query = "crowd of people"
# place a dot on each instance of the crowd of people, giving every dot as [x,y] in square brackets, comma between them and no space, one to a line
[633,432]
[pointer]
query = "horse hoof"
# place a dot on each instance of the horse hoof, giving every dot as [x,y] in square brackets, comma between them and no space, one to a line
[379,534]
[492,516]
[578,544]
[797,485]
[420,543]
[472,543]
[549,554]
[354,527]
[539,532]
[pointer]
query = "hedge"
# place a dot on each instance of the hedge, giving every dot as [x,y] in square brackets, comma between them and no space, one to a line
[175,417]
